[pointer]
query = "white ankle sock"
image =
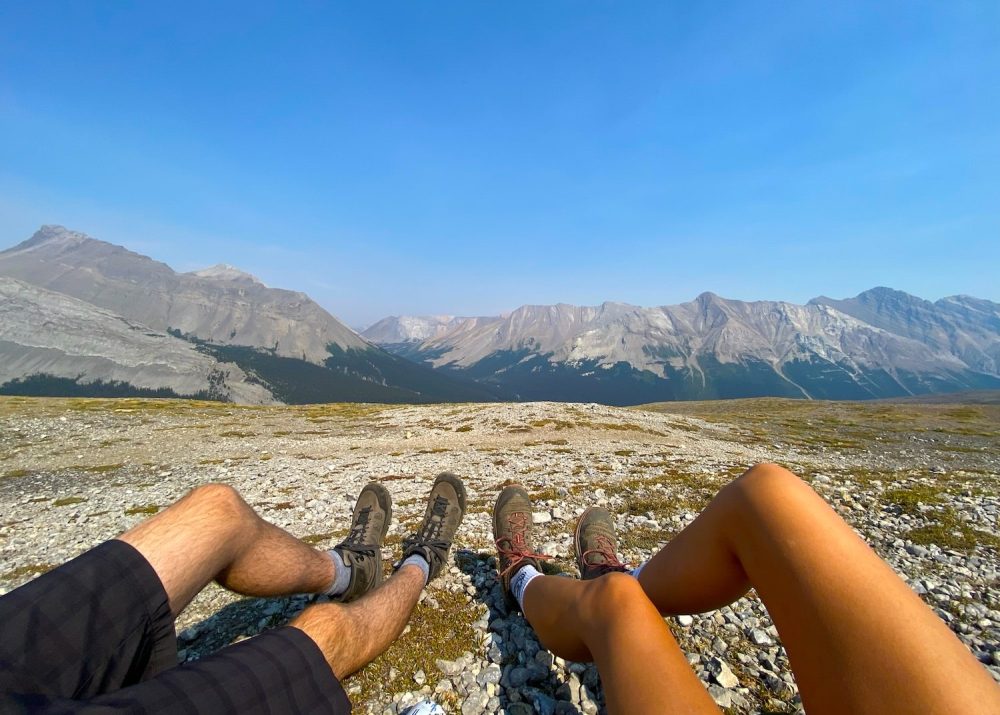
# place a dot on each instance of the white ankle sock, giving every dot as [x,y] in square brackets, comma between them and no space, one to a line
[421,563]
[520,582]
[635,572]
[341,574]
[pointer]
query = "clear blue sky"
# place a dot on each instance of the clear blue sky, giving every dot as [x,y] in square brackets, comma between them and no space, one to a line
[470,157]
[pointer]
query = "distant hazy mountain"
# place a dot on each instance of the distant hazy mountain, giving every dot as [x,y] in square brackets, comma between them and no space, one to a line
[408,328]
[966,327]
[287,343]
[53,338]
[709,348]
[220,304]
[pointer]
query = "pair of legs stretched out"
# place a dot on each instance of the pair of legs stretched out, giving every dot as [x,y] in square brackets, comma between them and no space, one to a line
[97,634]
[859,640]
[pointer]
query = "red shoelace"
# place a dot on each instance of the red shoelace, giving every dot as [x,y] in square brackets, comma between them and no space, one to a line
[605,549]
[516,549]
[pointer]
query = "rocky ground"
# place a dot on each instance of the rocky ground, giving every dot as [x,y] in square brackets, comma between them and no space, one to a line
[921,483]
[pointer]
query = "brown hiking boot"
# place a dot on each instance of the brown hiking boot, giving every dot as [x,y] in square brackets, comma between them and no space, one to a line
[362,549]
[512,535]
[445,509]
[596,545]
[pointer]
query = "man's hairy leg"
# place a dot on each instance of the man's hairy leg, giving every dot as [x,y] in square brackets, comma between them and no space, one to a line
[213,534]
[837,606]
[351,635]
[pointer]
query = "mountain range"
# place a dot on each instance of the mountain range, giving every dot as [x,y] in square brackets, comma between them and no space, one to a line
[882,343]
[81,316]
[218,332]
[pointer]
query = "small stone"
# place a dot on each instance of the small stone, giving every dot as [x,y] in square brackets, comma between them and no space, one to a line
[541,517]
[518,677]
[722,697]
[760,637]
[475,704]
[491,674]
[420,677]
[772,681]
[544,704]
[685,620]
[721,673]
[449,667]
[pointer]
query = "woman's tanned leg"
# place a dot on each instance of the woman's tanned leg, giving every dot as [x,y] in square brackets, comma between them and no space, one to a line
[611,621]
[858,638]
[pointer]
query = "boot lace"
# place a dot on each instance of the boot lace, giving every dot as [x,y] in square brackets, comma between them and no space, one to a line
[604,548]
[514,548]
[355,541]
[430,534]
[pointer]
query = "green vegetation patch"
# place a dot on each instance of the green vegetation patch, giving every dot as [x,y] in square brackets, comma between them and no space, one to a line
[910,497]
[30,570]
[315,539]
[644,538]
[948,531]
[443,632]
[68,501]
[145,509]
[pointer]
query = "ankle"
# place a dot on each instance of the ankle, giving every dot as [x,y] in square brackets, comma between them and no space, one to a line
[341,574]
[419,562]
[519,581]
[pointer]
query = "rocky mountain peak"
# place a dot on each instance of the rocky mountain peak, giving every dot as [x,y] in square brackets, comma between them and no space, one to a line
[226,272]
[52,235]
[210,304]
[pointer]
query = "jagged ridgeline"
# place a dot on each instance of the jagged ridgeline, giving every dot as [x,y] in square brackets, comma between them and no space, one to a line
[81,317]
[883,343]
[79,314]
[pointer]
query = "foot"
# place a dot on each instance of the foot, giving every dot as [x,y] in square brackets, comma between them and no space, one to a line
[512,535]
[362,549]
[596,545]
[445,509]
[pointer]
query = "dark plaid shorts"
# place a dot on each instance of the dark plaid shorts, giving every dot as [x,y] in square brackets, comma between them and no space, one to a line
[96,636]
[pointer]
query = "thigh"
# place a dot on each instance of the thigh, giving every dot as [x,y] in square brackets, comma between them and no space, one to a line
[841,610]
[281,671]
[93,625]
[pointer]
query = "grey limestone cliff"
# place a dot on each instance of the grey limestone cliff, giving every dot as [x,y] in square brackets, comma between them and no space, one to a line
[221,304]
[48,333]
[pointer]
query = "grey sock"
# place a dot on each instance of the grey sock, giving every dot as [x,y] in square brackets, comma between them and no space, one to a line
[420,562]
[341,574]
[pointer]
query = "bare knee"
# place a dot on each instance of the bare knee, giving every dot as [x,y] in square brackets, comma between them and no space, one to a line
[764,477]
[610,593]
[769,491]
[222,501]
